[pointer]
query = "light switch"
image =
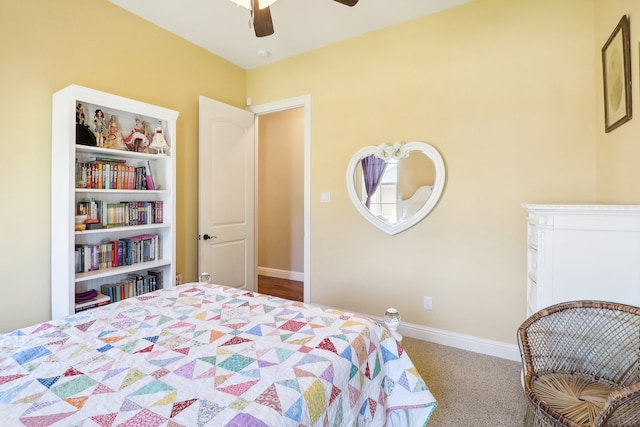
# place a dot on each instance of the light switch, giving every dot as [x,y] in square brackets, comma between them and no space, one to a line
[325,197]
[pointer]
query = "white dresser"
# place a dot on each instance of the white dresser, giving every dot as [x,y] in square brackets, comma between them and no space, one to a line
[582,252]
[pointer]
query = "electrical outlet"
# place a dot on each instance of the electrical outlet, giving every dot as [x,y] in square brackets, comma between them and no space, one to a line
[428,303]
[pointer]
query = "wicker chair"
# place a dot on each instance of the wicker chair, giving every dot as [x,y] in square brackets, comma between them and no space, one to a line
[581,363]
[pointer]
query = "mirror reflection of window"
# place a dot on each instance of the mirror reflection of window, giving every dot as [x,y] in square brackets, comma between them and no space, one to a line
[383,200]
[402,189]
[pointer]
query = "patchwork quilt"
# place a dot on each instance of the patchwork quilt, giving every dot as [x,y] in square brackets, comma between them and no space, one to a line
[208,355]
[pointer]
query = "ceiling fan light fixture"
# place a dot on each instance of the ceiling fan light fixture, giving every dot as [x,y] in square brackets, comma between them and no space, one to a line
[261,14]
[247,3]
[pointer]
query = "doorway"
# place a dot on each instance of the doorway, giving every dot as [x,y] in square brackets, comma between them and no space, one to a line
[280,203]
[283,190]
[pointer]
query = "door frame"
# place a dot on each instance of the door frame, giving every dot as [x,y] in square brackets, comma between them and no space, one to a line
[304,102]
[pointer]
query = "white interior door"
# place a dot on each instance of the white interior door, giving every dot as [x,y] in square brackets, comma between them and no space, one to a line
[226,195]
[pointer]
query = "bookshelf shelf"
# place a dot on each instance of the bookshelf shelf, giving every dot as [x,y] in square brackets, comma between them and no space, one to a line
[109,152]
[125,229]
[107,190]
[109,272]
[128,187]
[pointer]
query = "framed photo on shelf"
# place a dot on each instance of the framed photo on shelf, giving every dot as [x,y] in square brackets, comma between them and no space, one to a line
[616,76]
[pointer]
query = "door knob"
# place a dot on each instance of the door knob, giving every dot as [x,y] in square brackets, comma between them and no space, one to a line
[207,237]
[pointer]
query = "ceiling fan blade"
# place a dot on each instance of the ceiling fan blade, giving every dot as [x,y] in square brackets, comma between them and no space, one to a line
[349,3]
[262,22]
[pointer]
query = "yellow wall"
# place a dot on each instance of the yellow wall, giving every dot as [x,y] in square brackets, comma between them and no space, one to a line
[281,190]
[47,45]
[504,89]
[618,151]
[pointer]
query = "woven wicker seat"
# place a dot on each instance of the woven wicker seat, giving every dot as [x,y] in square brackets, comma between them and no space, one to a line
[581,363]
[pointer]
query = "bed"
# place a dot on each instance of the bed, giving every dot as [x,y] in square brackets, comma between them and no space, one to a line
[410,206]
[209,355]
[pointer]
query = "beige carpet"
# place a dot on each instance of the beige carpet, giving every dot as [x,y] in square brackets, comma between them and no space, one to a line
[472,390]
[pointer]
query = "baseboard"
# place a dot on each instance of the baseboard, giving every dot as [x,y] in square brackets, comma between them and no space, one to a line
[281,274]
[461,341]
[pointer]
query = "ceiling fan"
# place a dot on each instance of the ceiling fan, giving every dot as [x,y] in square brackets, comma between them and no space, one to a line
[261,14]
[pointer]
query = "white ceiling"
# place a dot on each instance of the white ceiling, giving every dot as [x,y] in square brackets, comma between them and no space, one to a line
[222,28]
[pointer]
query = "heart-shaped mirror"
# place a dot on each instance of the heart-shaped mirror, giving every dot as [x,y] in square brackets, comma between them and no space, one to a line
[394,186]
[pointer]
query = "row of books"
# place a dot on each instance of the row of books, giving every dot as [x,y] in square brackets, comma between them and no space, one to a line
[133,285]
[113,174]
[122,213]
[115,253]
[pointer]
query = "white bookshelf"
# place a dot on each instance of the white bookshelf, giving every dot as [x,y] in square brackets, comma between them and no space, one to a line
[65,281]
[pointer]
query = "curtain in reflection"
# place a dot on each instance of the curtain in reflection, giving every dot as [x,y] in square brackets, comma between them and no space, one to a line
[372,168]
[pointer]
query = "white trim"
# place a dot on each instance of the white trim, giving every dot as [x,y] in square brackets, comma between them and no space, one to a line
[303,101]
[461,341]
[281,274]
[451,339]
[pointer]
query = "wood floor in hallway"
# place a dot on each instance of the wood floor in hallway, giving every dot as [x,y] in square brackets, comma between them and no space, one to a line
[283,288]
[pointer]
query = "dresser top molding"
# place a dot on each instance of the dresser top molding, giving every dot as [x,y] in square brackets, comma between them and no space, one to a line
[584,216]
[580,207]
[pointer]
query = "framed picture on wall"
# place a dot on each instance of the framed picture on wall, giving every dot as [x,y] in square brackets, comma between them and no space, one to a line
[616,73]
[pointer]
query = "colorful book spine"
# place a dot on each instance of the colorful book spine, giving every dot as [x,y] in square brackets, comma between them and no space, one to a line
[114,174]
